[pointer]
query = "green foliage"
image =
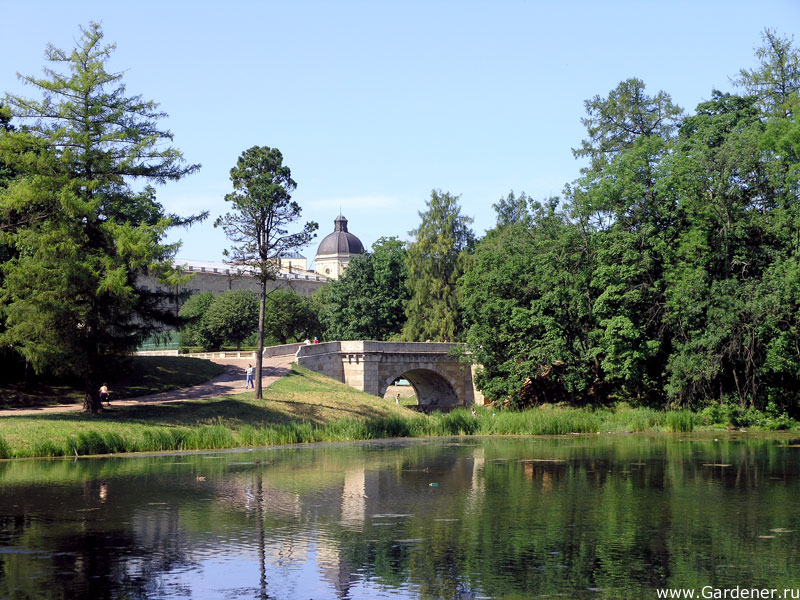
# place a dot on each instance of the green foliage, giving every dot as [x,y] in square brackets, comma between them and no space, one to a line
[732,415]
[211,321]
[436,259]
[6,172]
[669,275]
[193,332]
[626,116]
[680,420]
[777,77]
[524,296]
[369,300]
[262,209]
[290,317]
[232,316]
[79,235]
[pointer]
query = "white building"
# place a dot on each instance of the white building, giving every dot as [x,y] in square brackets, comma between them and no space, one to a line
[336,249]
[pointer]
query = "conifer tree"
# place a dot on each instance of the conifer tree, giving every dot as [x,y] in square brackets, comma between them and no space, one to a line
[262,209]
[80,234]
[435,262]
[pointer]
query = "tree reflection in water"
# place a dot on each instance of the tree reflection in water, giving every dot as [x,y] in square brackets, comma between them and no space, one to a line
[587,516]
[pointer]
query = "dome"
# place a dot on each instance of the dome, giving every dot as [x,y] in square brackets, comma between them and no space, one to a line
[340,241]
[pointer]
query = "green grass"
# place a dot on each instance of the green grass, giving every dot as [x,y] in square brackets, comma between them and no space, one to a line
[300,407]
[303,407]
[140,376]
[680,420]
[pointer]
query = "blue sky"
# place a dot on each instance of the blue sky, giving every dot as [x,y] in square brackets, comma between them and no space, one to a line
[374,104]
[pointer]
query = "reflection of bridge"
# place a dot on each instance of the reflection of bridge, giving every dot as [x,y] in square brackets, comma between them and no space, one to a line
[437,376]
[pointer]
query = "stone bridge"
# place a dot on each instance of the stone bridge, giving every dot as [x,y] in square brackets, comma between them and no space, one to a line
[437,376]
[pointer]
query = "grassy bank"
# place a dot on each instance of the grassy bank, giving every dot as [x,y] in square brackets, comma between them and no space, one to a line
[295,409]
[143,375]
[303,407]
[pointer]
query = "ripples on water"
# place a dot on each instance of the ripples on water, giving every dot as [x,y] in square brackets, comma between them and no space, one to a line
[582,516]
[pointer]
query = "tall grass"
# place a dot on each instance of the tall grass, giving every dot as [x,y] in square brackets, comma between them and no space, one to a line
[222,434]
[680,420]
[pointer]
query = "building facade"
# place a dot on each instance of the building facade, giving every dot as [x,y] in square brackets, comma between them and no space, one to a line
[208,276]
[336,250]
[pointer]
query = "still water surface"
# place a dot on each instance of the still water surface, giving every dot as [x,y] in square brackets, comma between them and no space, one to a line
[611,516]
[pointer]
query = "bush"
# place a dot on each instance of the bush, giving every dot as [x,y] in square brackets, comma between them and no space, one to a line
[728,415]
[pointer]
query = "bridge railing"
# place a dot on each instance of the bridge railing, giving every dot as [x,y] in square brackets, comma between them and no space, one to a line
[358,346]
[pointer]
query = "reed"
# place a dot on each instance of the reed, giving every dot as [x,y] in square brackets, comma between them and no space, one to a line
[215,437]
[303,407]
[680,420]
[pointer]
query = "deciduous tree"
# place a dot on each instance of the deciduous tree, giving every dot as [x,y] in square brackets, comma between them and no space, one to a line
[368,302]
[290,317]
[232,316]
[193,331]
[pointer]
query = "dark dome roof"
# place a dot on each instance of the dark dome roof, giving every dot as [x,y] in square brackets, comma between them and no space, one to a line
[340,241]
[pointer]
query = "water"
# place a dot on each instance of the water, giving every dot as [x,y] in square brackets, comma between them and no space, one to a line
[610,516]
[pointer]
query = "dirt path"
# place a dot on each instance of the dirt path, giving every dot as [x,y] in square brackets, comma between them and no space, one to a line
[230,382]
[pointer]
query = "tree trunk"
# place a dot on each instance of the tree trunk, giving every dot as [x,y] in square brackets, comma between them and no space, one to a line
[91,400]
[262,303]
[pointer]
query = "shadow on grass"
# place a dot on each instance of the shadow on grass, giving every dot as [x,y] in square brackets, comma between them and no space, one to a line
[139,376]
[20,395]
[230,412]
[320,413]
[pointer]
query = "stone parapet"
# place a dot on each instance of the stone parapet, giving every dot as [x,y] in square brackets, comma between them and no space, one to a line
[438,377]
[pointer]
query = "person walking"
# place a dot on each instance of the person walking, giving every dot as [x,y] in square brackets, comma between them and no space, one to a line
[248,382]
[104,395]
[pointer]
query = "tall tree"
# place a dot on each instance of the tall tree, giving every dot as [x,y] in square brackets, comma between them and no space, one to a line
[435,262]
[777,77]
[629,222]
[525,298]
[262,209]
[81,234]
[368,301]
[726,254]
[627,114]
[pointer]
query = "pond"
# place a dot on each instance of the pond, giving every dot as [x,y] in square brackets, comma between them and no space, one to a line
[604,516]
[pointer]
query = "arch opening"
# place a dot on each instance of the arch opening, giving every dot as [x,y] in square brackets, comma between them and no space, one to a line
[432,389]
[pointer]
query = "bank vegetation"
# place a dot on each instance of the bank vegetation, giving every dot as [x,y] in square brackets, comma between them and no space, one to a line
[306,407]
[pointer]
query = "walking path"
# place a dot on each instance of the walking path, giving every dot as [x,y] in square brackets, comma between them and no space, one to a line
[230,382]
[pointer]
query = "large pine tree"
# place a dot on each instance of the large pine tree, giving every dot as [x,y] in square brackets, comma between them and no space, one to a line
[80,234]
[261,211]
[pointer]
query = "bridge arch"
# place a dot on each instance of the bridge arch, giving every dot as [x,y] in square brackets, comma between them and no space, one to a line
[438,377]
[433,389]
